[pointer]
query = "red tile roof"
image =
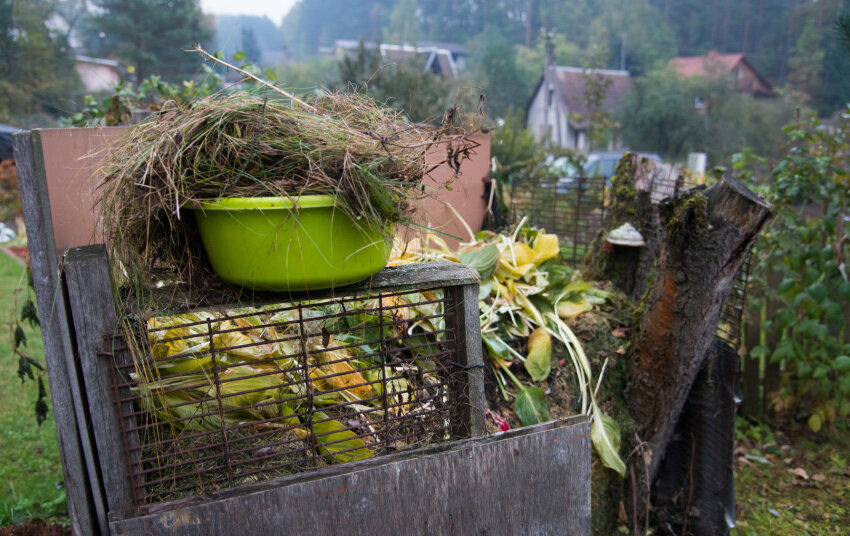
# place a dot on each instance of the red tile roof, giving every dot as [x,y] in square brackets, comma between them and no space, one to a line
[710,64]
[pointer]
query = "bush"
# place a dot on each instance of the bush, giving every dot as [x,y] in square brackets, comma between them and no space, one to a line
[806,245]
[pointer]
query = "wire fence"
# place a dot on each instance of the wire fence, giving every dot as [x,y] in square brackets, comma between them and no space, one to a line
[218,399]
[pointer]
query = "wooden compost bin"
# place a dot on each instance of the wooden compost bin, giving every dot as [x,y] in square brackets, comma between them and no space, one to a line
[534,480]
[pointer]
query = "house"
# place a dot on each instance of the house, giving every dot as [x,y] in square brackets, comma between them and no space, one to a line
[97,74]
[557,110]
[442,59]
[745,76]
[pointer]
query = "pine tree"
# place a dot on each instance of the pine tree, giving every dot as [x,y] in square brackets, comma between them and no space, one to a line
[150,35]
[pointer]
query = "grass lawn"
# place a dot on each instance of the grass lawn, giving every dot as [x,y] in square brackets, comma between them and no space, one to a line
[790,487]
[30,469]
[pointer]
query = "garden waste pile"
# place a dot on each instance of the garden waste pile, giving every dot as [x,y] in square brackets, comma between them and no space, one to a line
[526,293]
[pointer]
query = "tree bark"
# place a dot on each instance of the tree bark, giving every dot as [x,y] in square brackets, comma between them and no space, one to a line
[706,236]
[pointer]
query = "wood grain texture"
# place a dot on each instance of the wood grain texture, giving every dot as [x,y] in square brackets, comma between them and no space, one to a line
[534,480]
[86,510]
[89,283]
[416,276]
[467,387]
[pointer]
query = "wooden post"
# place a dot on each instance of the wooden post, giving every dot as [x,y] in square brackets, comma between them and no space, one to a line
[751,383]
[772,371]
[466,388]
[89,285]
[86,506]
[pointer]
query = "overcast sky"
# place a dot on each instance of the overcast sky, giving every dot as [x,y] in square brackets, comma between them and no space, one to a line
[273,9]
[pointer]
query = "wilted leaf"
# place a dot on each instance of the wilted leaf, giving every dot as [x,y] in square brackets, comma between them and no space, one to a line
[29,313]
[497,350]
[20,337]
[620,332]
[334,440]
[605,435]
[571,309]
[539,360]
[482,260]
[530,406]
[546,247]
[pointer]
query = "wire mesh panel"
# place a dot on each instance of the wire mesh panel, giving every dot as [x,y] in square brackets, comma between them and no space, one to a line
[572,210]
[221,398]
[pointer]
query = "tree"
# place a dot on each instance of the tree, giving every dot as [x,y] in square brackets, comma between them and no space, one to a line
[250,47]
[150,35]
[494,69]
[404,23]
[405,86]
[38,71]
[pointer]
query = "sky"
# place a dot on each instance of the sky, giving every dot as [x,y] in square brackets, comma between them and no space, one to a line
[273,9]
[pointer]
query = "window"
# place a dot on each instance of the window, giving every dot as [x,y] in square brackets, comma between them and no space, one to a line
[739,73]
[699,104]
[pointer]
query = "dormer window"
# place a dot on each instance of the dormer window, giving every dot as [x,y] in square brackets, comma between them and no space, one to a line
[739,73]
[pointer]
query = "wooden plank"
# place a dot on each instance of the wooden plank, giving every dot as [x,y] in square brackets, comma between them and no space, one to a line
[750,378]
[416,276]
[466,388]
[86,509]
[89,284]
[772,371]
[533,480]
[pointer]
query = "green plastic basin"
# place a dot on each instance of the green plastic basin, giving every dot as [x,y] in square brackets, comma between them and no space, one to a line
[266,243]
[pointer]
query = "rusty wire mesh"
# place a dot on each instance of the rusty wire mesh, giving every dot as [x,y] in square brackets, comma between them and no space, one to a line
[732,313]
[220,399]
[573,210]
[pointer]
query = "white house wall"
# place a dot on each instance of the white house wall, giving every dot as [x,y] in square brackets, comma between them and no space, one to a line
[538,122]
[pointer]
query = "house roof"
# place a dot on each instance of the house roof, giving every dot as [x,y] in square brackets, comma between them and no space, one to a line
[570,87]
[713,64]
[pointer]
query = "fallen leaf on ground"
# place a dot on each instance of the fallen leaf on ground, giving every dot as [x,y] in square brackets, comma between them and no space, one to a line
[800,472]
[819,478]
[621,350]
[620,332]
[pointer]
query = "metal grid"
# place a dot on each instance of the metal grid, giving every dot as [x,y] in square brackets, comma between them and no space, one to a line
[220,399]
[572,211]
[731,316]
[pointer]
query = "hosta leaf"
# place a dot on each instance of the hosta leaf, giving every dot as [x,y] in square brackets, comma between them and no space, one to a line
[338,443]
[605,435]
[539,360]
[571,309]
[546,247]
[530,406]
[482,260]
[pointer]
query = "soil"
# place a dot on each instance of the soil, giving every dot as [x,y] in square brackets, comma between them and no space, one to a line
[36,528]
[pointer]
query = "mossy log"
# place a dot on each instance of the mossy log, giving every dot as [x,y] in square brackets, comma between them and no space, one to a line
[704,237]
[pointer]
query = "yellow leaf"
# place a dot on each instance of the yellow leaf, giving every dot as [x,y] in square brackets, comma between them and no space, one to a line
[338,374]
[571,309]
[506,270]
[523,254]
[539,360]
[546,247]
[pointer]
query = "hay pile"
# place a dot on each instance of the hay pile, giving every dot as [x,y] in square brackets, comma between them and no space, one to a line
[246,145]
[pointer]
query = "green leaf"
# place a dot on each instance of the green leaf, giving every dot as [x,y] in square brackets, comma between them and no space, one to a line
[605,435]
[530,406]
[842,363]
[815,422]
[271,75]
[539,360]
[338,443]
[497,349]
[482,260]
[239,56]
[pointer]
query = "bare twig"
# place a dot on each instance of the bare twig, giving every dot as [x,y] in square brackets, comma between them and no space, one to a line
[250,76]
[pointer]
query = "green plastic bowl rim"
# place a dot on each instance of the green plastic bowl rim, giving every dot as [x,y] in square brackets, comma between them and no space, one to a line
[269,203]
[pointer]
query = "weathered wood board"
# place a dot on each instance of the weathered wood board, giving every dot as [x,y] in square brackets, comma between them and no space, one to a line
[533,480]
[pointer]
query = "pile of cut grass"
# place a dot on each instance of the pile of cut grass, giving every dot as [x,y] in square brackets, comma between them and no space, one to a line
[246,145]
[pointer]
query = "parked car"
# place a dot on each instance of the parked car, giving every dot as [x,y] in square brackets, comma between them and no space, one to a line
[604,163]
